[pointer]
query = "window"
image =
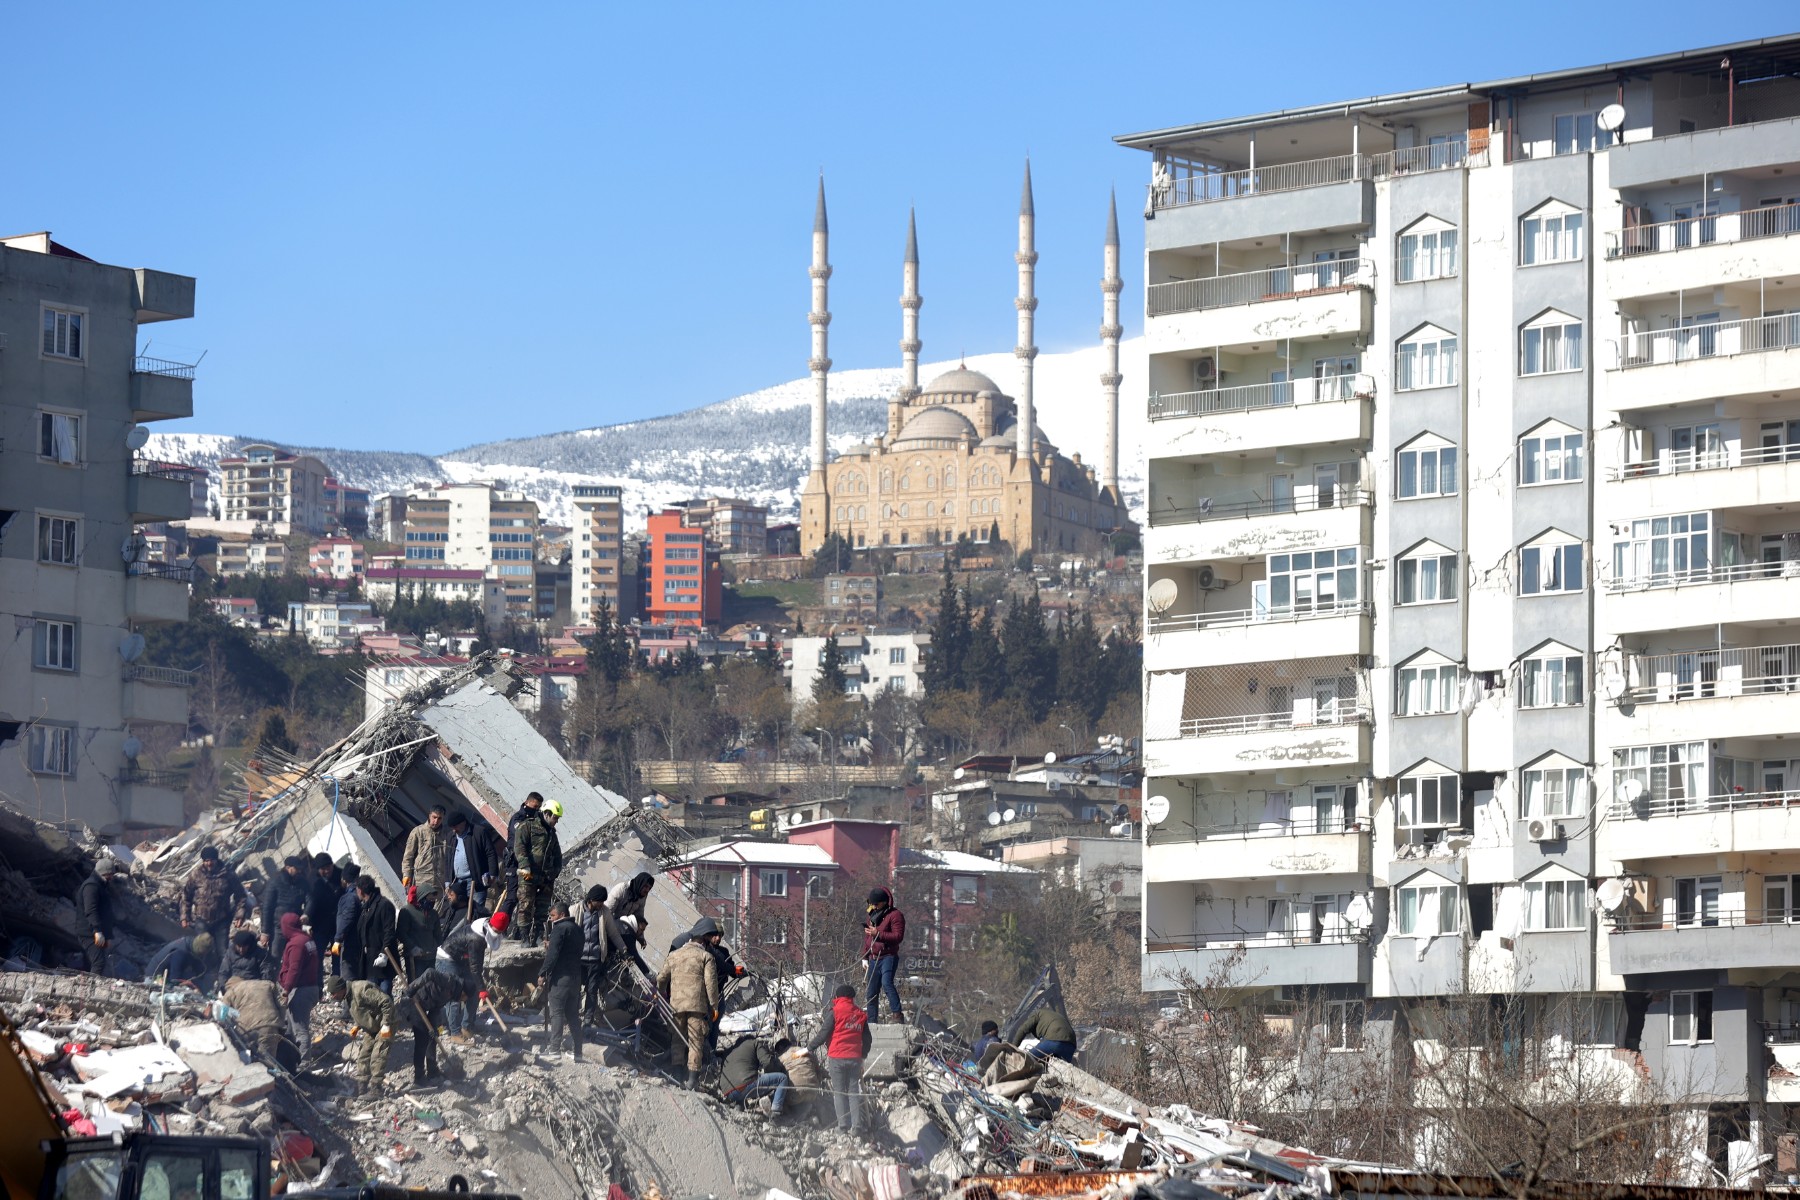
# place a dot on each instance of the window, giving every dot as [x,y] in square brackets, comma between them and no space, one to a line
[1576,133]
[1674,773]
[1427,467]
[1428,909]
[53,645]
[1555,904]
[1598,1021]
[59,437]
[1781,903]
[819,886]
[1550,567]
[1551,680]
[1550,344]
[1343,1024]
[52,749]
[58,540]
[775,934]
[1697,900]
[1664,549]
[1551,457]
[1428,801]
[1427,577]
[1553,233]
[1425,360]
[1427,688]
[965,889]
[1551,791]
[1427,251]
[1310,581]
[62,333]
[1690,1018]
[896,655]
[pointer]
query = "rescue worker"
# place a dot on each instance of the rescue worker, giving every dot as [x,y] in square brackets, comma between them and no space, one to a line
[883,933]
[300,975]
[94,900]
[751,1071]
[374,932]
[246,959]
[213,897]
[562,975]
[185,959]
[540,862]
[346,943]
[845,1035]
[421,1004]
[632,902]
[426,861]
[464,955]
[601,947]
[372,1012]
[418,932]
[1055,1036]
[260,1016]
[689,981]
[509,858]
[471,857]
[322,898]
[286,892]
[806,1082]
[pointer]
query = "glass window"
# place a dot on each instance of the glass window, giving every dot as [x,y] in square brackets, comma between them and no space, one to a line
[1343,1024]
[965,889]
[1550,568]
[774,883]
[1551,347]
[1697,900]
[1427,360]
[52,750]
[53,645]
[1429,801]
[62,333]
[1552,791]
[1673,773]
[1554,233]
[1429,254]
[59,540]
[1577,133]
[1664,549]
[1426,471]
[1427,579]
[1556,904]
[1426,689]
[93,1176]
[1551,681]
[1551,458]
[1428,909]
[1690,1018]
[1308,581]
[59,437]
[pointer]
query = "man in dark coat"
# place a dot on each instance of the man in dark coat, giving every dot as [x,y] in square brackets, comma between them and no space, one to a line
[213,897]
[750,1071]
[540,859]
[185,959]
[419,933]
[322,895]
[509,857]
[562,972]
[346,942]
[472,866]
[420,1004]
[374,934]
[94,900]
[287,892]
[246,959]
[1055,1036]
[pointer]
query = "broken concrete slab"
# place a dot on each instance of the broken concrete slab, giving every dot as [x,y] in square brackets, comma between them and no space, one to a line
[890,1048]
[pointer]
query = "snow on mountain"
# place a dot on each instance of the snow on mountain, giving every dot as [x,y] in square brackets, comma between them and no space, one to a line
[753,445]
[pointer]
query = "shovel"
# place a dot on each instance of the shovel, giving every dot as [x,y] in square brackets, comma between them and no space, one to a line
[448,1062]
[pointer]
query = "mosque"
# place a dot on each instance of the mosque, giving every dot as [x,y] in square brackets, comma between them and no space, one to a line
[959,456]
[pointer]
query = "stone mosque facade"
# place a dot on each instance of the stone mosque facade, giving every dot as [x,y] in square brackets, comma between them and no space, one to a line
[960,456]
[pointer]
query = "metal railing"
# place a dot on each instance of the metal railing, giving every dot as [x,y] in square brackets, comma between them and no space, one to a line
[1206,187]
[144,365]
[161,676]
[1732,573]
[1649,808]
[1437,156]
[1289,282]
[1322,498]
[1173,830]
[1774,221]
[1189,622]
[1680,462]
[174,780]
[179,572]
[148,468]
[1780,1033]
[1231,939]
[1334,713]
[1704,674]
[1699,921]
[1250,397]
[1717,339]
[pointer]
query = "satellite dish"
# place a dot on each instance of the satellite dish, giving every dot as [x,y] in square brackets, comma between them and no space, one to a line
[993,818]
[1009,815]
[1611,118]
[131,647]
[958,773]
[1156,810]
[1050,759]
[1610,895]
[1163,594]
[1205,505]
[1357,914]
[135,437]
[1631,790]
[793,818]
[131,746]
[1611,683]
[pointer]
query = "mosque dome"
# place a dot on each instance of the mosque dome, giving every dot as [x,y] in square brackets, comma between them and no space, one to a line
[936,425]
[960,382]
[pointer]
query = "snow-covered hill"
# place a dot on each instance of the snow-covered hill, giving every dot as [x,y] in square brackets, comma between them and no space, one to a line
[752,445]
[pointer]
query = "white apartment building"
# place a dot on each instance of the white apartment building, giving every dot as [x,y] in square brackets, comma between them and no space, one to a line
[332,624]
[236,557]
[383,583]
[873,663]
[265,483]
[76,693]
[1473,473]
[596,550]
[336,558]
[476,526]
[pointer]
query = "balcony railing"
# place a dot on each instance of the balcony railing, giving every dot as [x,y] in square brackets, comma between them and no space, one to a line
[1703,674]
[145,365]
[1648,808]
[1303,501]
[1718,339]
[179,572]
[1289,282]
[1206,187]
[1251,939]
[1252,397]
[161,470]
[1173,830]
[145,777]
[161,676]
[1699,920]
[1437,156]
[1732,573]
[1774,221]
[1188,622]
[1718,458]
[1336,712]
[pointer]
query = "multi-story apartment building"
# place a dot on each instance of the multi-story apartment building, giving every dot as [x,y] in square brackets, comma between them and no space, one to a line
[731,525]
[854,596]
[387,517]
[332,624]
[872,662]
[475,526]
[596,549]
[253,556]
[336,558]
[1474,415]
[76,694]
[267,484]
[681,583]
[346,507]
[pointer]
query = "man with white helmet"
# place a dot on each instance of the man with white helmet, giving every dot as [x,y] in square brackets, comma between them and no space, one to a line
[540,862]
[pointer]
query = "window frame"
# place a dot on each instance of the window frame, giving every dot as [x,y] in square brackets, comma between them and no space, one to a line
[1446,463]
[1534,454]
[46,540]
[972,890]
[1406,918]
[1569,778]
[1437,230]
[1574,900]
[45,735]
[1439,678]
[776,876]
[48,314]
[1698,1015]
[1447,564]
[1407,808]
[1570,559]
[1547,657]
[1344,1021]
[1445,348]
[1559,212]
[1570,351]
[67,641]
[48,415]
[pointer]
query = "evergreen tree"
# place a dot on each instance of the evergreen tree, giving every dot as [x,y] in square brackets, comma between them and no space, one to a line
[944,669]
[828,684]
[1030,656]
[1082,677]
[984,665]
[609,650]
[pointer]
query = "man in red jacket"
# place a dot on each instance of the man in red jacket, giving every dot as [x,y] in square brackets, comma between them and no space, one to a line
[844,1032]
[882,934]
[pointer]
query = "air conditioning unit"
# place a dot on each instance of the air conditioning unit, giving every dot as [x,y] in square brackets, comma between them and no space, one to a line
[1206,372]
[1541,829]
[1208,579]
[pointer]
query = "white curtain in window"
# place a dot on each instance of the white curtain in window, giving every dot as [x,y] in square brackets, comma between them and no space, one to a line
[63,435]
[1163,705]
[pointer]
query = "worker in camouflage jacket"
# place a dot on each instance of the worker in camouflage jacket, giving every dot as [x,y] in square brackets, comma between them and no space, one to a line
[540,859]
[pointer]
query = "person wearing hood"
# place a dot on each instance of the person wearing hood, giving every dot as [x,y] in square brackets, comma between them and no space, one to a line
[883,934]
[689,981]
[185,960]
[94,901]
[464,956]
[300,975]
[634,902]
[213,897]
[346,942]
[419,932]
[287,892]
[602,946]
[374,933]
[246,959]
[990,1035]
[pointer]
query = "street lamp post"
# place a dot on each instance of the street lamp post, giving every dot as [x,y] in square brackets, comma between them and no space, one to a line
[1064,725]
[806,925]
[834,742]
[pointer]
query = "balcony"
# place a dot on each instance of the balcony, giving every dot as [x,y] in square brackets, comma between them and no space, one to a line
[1267,960]
[1321,299]
[1181,850]
[1740,147]
[158,492]
[1334,734]
[1696,253]
[1336,409]
[161,390]
[1662,827]
[156,695]
[160,296]
[1311,518]
[1195,203]
[1259,635]
[1736,940]
[1749,593]
[151,799]
[156,592]
[1702,362]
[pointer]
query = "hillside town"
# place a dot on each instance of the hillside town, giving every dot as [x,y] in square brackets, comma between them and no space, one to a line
[1378,789]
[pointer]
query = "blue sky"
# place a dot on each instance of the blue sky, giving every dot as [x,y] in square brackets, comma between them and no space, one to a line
[421,227]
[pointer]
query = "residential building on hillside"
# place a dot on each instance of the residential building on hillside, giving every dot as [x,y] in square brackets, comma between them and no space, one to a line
[1111,868]
[264,483]
[597,550]
[481,588]
[475,526]
[336,558]
[760,893]
[872,663]
[76,693]
[731,526]
[1475,416]
[332,624]
[390,678]
[255,556]
[680,573]
[853,596]
[346,507]
[387,516]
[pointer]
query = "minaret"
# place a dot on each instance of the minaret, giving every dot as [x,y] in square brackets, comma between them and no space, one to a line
[1110,286]
[1026,351]
[910,300]
[815,501]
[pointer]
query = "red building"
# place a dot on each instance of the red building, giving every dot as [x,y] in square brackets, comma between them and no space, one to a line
[682,583]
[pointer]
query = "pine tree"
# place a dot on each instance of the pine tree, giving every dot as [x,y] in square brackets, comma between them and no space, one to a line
[609,650]
[1081,676]
[828,684]
[1030,656]
[984,665]
[944,670]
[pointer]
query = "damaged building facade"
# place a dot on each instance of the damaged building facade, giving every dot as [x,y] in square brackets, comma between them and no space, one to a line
[1470,548]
